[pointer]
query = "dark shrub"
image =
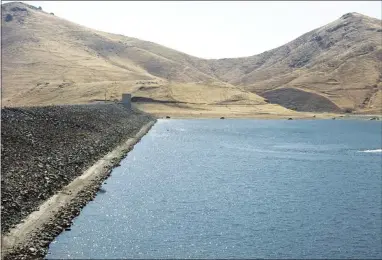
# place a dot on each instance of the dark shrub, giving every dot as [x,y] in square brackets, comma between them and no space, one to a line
[8,18]
[348,110]
[16,9]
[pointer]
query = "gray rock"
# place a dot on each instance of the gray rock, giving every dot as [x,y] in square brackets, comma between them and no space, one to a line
[44,148]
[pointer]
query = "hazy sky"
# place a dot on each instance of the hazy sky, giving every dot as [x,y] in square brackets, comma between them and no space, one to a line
[209,29]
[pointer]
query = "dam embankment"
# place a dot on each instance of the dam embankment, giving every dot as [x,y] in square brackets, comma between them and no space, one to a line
[44,150]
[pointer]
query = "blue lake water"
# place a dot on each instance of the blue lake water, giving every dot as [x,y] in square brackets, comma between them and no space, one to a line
[238,189]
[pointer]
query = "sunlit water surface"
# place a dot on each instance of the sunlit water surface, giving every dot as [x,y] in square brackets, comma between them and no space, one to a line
[238,189]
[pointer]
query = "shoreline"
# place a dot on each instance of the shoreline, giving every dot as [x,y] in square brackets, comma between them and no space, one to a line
[245,112]
[45,148]
[31,237]
[273,117]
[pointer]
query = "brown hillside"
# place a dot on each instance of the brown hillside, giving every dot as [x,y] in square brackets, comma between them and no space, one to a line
[49,60]
[340,61]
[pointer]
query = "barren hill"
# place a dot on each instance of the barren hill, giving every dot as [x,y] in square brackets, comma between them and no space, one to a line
[49,60]
[340,61]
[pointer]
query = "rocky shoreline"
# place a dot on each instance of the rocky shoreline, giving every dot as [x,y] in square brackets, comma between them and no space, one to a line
[46,148]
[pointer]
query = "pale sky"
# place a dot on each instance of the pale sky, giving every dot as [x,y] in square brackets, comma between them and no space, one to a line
[209,29]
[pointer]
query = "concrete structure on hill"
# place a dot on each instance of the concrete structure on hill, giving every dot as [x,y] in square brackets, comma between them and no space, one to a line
[126,100]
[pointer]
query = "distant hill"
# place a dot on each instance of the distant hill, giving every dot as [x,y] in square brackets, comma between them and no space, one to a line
[49,60]
[340,61]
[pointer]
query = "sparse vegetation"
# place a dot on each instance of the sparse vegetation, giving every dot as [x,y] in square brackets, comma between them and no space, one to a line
[348,110]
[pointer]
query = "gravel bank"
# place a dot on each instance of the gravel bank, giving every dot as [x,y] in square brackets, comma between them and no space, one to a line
[45,148]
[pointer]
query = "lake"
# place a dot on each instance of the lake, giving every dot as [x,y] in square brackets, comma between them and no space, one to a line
[238,188]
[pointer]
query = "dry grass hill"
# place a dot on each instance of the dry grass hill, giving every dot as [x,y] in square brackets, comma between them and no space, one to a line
[49,60]
[341,62]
